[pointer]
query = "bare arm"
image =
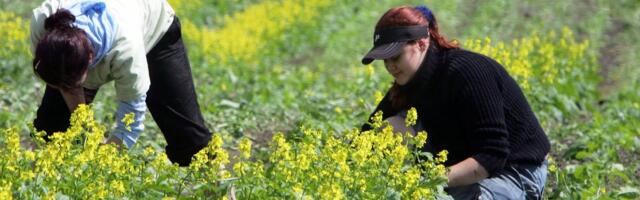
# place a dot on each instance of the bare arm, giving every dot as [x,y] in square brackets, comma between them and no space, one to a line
[399,126]
[73,98]
[467,172]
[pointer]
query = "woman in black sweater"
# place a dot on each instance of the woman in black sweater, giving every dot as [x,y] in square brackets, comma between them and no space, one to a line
[468,104]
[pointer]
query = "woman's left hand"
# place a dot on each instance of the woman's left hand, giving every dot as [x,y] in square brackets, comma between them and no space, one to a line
[467,172]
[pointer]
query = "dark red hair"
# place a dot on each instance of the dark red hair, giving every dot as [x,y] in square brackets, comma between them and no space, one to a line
[63,54]
[410,16]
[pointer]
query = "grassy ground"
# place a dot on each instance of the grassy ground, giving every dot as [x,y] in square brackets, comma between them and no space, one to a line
[306,72]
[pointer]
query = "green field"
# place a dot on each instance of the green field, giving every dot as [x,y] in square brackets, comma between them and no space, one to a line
[295,65]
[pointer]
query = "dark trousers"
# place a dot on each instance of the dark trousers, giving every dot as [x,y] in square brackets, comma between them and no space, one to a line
[171,99]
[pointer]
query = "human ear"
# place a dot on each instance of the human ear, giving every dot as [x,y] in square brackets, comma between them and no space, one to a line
[423,44]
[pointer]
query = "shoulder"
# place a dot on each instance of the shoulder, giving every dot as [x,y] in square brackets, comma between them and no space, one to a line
[46,9]
[467,64]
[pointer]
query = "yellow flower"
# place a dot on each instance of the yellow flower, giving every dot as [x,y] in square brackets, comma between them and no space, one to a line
[420,139]
[117,186]
[539,59]
[128,119]
[553,168]
[240,167]
[282,148]
[377,120]
[412,176]
[29,155]
[398,154]
[82,115]
[13,36]
[101,193]
[306,155]
[253,29]
[441,170]
[297,189]
[442,156]
[183,7]
[245,148]
[422,193]
[337,110]
[370,70]
[412,117]
[5,191]
[552,164]
[27,175]
[379,96]
[331,191]
[149,151]
[223,87]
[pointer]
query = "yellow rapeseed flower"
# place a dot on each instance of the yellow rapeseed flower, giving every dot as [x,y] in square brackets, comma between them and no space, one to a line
[118,187]
[377,120]
[252,29]
[128,119]
[6,191]
[379,96]
[442,156]
[412,117]
[420,139]
[245,148]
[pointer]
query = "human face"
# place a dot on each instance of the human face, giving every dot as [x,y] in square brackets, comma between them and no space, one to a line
[83,78]
[405,65]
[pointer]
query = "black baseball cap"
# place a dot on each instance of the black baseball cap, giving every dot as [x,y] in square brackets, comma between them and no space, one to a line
[388,42]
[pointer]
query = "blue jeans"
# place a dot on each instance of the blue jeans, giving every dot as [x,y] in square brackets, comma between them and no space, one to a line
[513,182]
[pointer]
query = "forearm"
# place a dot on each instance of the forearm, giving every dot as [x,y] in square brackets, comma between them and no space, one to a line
[467,172]
[73,98]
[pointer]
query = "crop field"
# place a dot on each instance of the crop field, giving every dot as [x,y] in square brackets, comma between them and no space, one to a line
[281,86]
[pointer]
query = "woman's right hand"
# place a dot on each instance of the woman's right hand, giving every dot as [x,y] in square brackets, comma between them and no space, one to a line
[115,141]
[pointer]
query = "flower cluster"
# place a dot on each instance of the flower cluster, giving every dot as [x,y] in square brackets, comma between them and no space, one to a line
[316,164]
[252,29]
[541,60]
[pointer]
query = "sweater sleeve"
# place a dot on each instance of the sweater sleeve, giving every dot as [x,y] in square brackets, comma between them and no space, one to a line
[479,99]
[129,133]
[129,67]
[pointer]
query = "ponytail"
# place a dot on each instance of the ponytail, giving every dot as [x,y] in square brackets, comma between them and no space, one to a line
[62,19]
[63,54]
[434,31]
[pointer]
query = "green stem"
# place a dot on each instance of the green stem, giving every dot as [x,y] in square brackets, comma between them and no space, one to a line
[182,183]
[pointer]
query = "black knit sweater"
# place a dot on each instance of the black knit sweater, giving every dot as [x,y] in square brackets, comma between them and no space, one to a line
[470,106]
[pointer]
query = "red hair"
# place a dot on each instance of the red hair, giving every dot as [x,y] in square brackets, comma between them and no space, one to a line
[410,16]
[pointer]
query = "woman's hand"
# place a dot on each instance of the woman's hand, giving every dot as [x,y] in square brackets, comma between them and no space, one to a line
[73,97]
[399,126]
[467,172]
[115,141]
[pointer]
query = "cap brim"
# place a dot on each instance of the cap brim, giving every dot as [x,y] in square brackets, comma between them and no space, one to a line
[383,52]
